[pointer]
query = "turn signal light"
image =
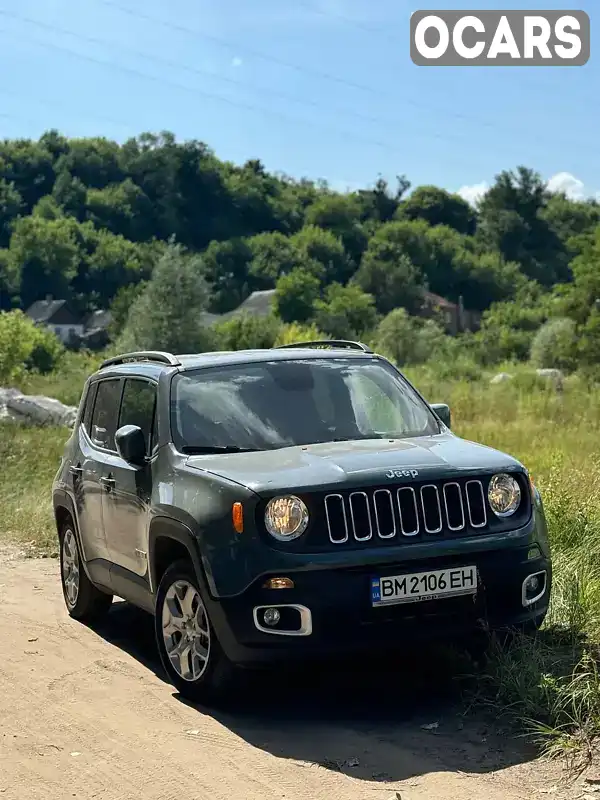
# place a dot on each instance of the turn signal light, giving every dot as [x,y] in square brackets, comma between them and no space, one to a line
[237,516]
[279,583]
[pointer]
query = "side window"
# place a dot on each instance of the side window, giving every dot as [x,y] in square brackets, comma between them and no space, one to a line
[86,417]
[137,408]
[106,412]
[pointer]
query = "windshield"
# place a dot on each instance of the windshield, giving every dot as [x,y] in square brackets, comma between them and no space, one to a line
[273,404]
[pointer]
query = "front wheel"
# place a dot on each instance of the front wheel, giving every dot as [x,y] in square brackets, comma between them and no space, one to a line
[189,650]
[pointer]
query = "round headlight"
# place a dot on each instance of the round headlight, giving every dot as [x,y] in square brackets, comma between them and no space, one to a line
[286,518]
[504,495]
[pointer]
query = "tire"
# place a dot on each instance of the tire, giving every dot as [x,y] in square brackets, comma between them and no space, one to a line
[189,649]
[84,601]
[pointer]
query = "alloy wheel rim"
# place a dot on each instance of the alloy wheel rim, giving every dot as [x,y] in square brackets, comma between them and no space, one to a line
[70,568]
[185,630]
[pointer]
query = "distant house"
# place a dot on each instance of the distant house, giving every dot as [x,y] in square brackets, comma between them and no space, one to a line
[454,316]
[257,304]
[95,335]
[71,328]
[59,317]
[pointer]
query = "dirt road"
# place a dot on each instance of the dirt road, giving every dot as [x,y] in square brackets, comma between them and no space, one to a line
[86,713]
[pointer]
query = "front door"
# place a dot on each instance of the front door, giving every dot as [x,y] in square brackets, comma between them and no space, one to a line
[94,436]
[126,498]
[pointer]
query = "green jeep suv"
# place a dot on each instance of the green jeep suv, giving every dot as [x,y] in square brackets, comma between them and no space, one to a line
[300,502]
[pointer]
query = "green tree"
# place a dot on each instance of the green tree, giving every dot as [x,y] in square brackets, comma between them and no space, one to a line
[226,267]
[295,296]
[589,343]
[29,167]
[167,315]
[11,205]
[95,162]
[340,214]
[121,305]
[110,263]
[346,312]
[406,339]
[70,193]
[379,203]
[511,221]
[438,207]
[121,208]
[322,253]
[576,299]
[391,267]
[45,254]
[273,255]
[8,281]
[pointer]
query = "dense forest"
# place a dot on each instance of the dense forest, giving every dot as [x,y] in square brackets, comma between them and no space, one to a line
[164,233]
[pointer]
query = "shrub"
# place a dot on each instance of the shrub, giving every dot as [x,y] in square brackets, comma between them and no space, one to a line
[407,340]
[246,332]
[25,346]
[290,334]
[555,345]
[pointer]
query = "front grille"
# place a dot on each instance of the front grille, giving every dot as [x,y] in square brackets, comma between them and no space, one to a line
[406,512]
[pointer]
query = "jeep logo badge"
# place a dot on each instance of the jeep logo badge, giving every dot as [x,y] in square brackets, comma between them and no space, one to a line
[402,473]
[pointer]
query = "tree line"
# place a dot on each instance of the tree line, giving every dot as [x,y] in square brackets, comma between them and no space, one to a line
[130,226]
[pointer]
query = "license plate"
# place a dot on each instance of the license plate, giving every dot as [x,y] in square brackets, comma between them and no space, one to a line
[424,586]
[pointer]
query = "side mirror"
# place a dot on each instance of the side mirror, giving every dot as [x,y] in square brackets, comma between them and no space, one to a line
[131,444]
[443,412]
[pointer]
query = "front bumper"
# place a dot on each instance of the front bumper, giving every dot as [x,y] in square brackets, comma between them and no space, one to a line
[343,620]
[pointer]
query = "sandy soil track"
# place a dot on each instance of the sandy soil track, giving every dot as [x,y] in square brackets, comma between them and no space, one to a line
[86,713]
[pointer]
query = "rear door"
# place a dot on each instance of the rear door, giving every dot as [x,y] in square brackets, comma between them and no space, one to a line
[95,435]
[128,488]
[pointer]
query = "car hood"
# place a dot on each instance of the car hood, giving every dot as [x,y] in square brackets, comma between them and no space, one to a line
[356,463]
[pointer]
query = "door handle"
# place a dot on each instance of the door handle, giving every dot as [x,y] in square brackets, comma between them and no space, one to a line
[108,483]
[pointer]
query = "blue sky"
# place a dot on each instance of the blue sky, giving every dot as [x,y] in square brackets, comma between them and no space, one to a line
[314,88]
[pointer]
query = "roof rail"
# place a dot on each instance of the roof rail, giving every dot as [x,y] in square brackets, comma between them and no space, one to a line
[155,356]
[341,343]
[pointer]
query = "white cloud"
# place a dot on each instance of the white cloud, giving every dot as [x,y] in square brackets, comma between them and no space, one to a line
[569,184]
[473,193]
[236,62]
[573,187]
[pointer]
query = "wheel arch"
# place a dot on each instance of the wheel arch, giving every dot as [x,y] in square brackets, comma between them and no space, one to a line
[170,541]
[64,512]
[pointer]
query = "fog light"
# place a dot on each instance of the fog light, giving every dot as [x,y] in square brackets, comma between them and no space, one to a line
[534,587]
[271,617]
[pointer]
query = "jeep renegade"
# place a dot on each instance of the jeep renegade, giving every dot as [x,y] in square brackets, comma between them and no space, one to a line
[290,503]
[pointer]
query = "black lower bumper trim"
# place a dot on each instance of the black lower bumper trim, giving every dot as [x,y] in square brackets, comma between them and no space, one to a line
[344,619]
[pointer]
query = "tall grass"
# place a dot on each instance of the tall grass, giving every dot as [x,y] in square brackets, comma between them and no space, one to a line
[550,684]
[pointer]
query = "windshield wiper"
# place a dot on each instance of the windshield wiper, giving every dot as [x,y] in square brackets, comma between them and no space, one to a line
[198,450]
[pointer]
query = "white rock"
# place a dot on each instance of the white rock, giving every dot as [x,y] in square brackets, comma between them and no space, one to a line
[553,375]
[502,377]
[35,409]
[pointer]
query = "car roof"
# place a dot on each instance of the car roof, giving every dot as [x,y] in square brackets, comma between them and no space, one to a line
[252,356]
[192,361]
